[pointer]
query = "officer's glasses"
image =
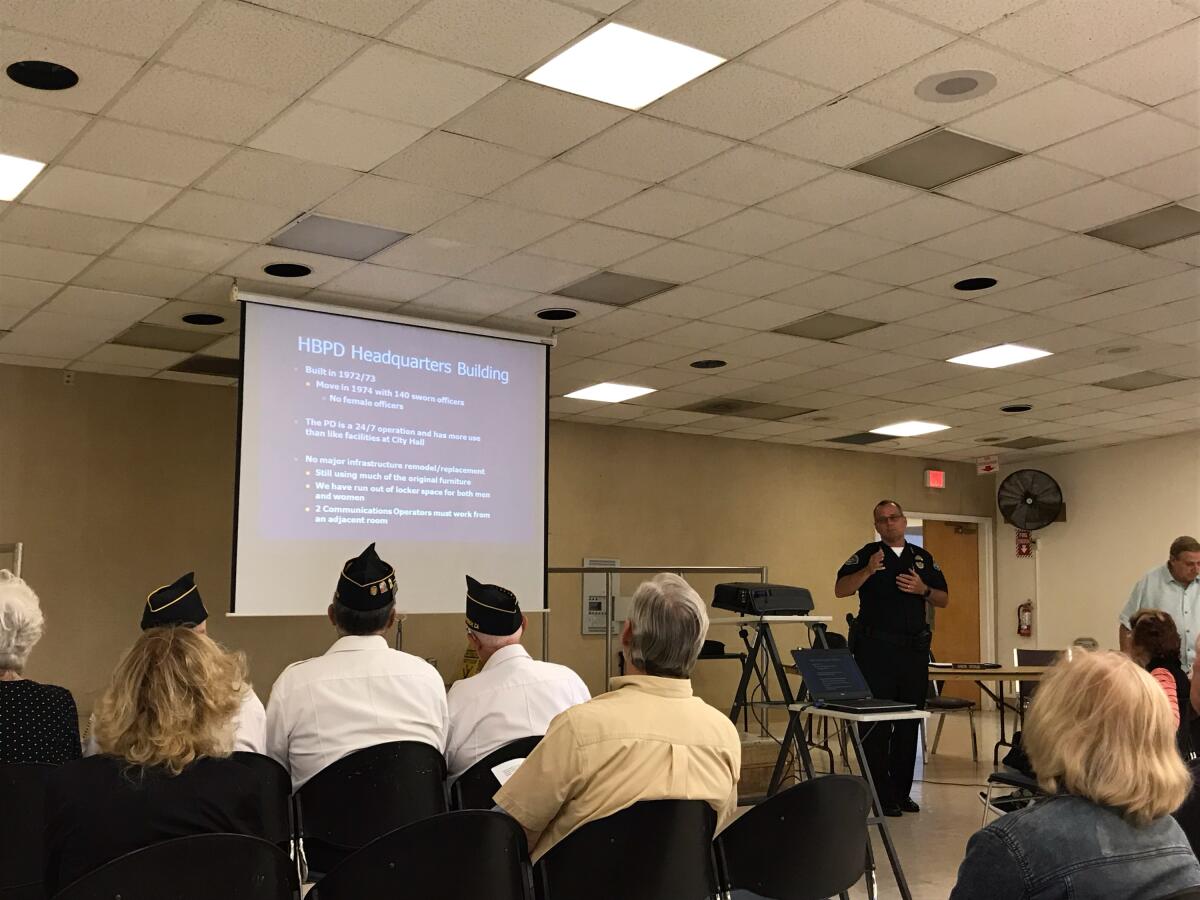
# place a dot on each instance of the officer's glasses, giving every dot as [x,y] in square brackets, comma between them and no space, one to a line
[885,519]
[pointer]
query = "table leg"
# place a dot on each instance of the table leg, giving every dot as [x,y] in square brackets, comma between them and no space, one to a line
[878,820]
[793,735]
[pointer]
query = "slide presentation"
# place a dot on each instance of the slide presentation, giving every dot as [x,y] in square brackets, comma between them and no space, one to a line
[431,443]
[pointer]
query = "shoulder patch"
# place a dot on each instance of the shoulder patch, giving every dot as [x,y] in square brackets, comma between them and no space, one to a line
[852,561]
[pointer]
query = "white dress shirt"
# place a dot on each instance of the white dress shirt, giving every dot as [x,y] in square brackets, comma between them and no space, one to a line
[249,727]
[512,696]
[359,694]
[1158,589]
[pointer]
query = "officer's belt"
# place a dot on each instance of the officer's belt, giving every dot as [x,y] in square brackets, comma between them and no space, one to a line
[920,641]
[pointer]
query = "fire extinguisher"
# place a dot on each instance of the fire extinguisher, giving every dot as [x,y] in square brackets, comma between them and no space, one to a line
[1025,619]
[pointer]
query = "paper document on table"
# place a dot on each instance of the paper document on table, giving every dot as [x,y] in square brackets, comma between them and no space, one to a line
[942,665]
[505,770]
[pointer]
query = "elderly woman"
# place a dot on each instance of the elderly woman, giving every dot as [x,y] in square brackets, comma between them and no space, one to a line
[1154,645]
[165,729]
[1102,739]
[38,722]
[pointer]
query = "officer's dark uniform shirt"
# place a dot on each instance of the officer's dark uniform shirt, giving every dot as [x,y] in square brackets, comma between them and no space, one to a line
[882,604]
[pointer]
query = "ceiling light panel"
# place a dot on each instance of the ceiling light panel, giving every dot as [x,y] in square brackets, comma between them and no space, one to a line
[333,237]
[935,159]
[15,175]
[999,356]
[624,67]
[909,429]
[1149,229]
[609,392]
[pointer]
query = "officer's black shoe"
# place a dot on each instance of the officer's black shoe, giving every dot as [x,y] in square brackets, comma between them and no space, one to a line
[909,805]
[893,811]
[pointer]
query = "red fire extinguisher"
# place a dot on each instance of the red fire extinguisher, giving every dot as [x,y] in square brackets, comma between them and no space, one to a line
[1025,619]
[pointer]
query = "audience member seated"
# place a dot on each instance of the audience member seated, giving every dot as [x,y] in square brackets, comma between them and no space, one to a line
[179,603]
[38,722]
[1154,645]
[361,692]
[164,729]
[1102,739]
[647,739]
[513,695]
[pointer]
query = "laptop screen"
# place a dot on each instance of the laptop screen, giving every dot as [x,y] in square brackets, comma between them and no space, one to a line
[831,674]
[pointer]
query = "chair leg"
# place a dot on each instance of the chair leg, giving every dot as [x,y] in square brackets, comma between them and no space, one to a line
[938,735]
[924,743]
[974,741]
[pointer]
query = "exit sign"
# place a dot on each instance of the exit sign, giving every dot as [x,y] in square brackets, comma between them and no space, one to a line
[935,478]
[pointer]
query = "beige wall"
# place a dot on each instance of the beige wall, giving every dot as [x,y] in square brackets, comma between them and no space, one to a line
[1125,505]
[117,485]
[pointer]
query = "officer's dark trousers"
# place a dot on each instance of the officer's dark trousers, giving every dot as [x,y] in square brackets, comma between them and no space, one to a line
[894,673]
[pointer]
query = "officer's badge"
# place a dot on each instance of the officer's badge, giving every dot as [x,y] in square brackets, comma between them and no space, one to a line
[920,563]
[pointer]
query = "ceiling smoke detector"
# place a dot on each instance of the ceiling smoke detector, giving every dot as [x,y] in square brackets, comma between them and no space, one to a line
[955,87]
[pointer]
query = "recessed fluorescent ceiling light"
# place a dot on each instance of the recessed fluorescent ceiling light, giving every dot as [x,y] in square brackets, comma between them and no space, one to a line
[15,174]
[608,392]
[909,429]
[624,67]
[1000,356]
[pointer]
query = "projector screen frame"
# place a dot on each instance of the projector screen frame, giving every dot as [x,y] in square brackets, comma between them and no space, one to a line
[547,341]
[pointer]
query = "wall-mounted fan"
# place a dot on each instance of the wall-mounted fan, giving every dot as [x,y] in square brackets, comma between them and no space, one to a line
[1029,499]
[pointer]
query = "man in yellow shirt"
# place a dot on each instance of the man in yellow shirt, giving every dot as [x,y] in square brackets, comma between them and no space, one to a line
[648,738]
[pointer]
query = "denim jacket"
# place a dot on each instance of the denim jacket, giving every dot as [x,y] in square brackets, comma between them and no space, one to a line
[1068,848]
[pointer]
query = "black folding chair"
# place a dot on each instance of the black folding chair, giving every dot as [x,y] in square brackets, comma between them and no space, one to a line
[942,706]
[804,843]
[1026,657]
[650,851]
[365,795]
[468,854]
[200,867]
[22,847]
[474,788]
[277,796]
[1188,815]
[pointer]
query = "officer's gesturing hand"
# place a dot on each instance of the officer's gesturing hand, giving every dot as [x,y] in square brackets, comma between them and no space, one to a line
[910,582]
[875,563]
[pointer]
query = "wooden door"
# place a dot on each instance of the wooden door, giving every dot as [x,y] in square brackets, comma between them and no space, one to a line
[955,547]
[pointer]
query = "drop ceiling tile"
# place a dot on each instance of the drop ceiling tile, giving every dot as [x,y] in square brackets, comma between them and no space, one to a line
[739,101]
[251,263]
[505,36]
[567,190]
[1128,144]
[531,273]
[690,302]
[643,353]
[275,179]
[37,132]
[893,336]
[918,219]
[1174,178]
[127,26]
[840,197]
[833,250]
[1021,182]
[893,306]
[1186,109]
[701,335]
[753,231]
[1125,270]
[724,27]
[904,267]
[679,262]
[645,148]
[1016,330]
[383,283]
[24,294]
[195,378]
[965,17]
[842,132]
[141,357]
[959,316]
[896,90]
[109,369]
[1046,115]
[163,247]
[1088,207]
[496,224]
[1062,255]
[829,292]
[46,344]
[392,204]
[535,119]
[121,149]
[876,364]
[946,346]
[995,237]
[351,301]
[1154,71]
[1186,250]
[339,137]
[60,230]
[226,217]
[41,264]
[1067,34]
[122,308]
[93,193]
[104,74]
[361,16]
[590,244]
[630,324]
[368,84]
[944,285]
[665,212]
[762,315]
[457,163]
[190,103]
[138,278]
[816,51]
[261,48]
[756,277]
[1180,312]
[437,256]
[747,175]
[526,314]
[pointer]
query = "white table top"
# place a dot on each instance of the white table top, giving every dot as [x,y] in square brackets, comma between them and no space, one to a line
[757,620]
[859,717]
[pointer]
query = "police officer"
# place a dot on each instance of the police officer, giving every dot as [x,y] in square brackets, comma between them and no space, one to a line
[890,641]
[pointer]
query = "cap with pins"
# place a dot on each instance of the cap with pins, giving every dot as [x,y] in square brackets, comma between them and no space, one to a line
[366,582]
[492,609]
[177,603]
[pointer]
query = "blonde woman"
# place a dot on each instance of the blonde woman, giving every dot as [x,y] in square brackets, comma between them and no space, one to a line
[1101,738]
[38,722]
[165,730]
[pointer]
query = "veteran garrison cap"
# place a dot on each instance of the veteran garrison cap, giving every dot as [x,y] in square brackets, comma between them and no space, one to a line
[492,609]
[175,604]
[366,583]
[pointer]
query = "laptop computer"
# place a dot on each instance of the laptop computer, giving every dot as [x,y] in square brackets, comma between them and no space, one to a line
[834,681]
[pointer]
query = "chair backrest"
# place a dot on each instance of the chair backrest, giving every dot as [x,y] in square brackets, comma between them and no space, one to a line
[1029,657]
[934,688]
[277,790]
[1188,815]
[22,849]
[472,853]
[651,850]
[801,844]
[474,788]
[200,867]
[365,795]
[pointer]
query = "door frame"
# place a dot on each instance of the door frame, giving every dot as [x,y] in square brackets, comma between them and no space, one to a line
[987,576]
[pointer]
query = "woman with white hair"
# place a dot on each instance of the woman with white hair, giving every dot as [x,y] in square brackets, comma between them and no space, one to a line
[38,722]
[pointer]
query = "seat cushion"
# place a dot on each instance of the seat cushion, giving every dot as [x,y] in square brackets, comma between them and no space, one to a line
[949,704]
